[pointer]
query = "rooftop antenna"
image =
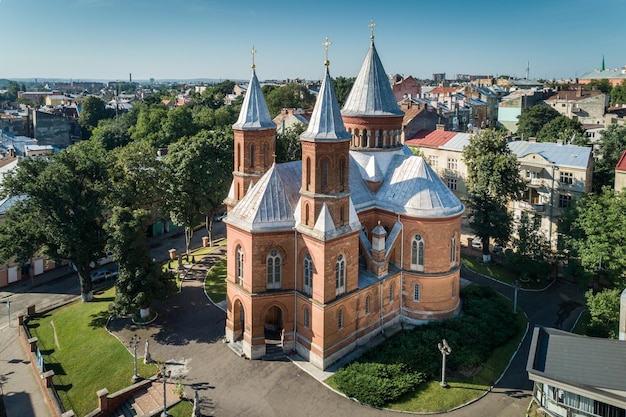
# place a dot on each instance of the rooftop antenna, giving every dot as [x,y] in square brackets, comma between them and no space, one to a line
[527,68]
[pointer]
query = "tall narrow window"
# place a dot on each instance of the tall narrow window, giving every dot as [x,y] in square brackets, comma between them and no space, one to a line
[342,173]
[266,151]
[306,214]
[417,253]
[342,218]
[453,250]
[307,285]
[251,156]
[307,318]
[239,267]
[416,292]
[340,319]
[324,173]
[274,267]
[391,293]
[238,157]
[453,289]
[308,174]
[367,305]
[340,275]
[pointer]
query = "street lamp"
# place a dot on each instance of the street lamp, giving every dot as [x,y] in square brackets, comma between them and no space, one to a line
[445,351]
[515,297]
[134,341]
[165,373]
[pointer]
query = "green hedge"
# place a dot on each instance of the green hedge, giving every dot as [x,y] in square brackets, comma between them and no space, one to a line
[487,323]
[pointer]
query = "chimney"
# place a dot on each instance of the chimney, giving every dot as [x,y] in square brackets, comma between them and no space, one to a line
[532,139]
[622,316]
[440,126]
[579,91]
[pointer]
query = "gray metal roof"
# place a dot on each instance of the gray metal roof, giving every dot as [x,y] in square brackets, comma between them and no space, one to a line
[254,114]
[586,362]
[561,155]
[371,94]
[326,123]
[457,142]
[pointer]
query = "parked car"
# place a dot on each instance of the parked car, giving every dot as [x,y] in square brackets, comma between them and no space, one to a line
[497,249]
[102,274]
[477,243]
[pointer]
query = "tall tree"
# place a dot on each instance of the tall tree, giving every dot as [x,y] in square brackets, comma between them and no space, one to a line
[618,94]
[288,146]
[64,199]
[343,86]
[533,119]
[93,110]
[197,171]
[493,181]
[289,96]
[529,257]
[610,147]
[604,311]
[563,128]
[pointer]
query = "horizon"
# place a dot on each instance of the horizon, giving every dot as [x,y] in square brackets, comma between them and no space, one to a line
[108,40]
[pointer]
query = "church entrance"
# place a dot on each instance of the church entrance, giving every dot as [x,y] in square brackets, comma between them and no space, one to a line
[274,327]
[239,321]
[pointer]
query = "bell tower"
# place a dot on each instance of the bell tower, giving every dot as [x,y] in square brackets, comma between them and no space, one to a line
[255,141]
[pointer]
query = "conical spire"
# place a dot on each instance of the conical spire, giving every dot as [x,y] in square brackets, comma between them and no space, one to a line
[326,123]
[602,68]
[371,94]
[254,113]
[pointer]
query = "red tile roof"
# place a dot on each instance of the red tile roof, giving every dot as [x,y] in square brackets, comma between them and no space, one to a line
[621,164]
[443,90]
[430,138]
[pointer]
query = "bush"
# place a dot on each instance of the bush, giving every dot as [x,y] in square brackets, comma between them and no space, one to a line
[376,383]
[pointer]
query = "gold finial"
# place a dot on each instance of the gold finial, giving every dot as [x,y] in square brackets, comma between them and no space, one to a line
[372,25]
[326,44]
[253,51]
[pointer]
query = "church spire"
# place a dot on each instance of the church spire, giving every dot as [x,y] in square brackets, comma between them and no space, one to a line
[602,67]
[254,113]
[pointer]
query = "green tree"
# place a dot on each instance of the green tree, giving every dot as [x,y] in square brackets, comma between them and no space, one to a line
[604,85]
[64,199]
[148,126]
[177,124]
[289,96]
[111,134]
[140,280]
[533,119]
[12,91]
[493,181]
[604,309]
[196,180]
[563,128]
[529,257]
[288,146]
[618,94]
[342,87]
[93,110]
[599,238]
[610,146]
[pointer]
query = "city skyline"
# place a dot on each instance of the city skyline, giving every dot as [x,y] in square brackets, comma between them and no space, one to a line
[194,39]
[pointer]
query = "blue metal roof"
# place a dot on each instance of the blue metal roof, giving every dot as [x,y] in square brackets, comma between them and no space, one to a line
[561,155]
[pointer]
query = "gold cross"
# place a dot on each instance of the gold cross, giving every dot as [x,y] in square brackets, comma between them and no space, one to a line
[372,25]
[253,51]
[326,45]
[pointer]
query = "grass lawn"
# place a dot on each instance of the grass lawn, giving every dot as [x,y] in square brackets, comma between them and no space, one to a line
[215,282]
[430,397]
[198,253]
[499,272]
[182,409]
[84,356]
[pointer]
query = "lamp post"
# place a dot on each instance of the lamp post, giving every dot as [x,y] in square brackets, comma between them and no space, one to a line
[134,341]
[445,351]
[554,169]
[515,297]
[165,373]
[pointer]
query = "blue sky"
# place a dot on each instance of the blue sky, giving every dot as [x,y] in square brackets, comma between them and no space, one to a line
[108,39]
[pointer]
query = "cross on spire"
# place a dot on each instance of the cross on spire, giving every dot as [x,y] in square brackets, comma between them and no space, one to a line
[253,51]
[326,44]
[372,25]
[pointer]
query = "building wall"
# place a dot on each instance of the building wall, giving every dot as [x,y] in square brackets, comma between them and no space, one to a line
[50,129]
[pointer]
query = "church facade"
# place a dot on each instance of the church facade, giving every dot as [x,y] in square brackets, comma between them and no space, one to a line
[357,237]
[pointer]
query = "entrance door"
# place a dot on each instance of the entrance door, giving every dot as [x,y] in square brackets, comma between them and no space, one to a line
[239,321]
[273,325]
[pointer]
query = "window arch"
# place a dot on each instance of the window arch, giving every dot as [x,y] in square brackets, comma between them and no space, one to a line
[340,275]
[274,269]
[453,250]
[307,284]
[416,292]
[308,173]
[367,305]
[340,319]
[307,317]
[417,253]
[238,157]
[324,173]
[239,265]
[251,156]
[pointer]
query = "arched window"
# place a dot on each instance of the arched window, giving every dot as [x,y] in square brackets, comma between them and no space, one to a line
[342,172]
[340,275]
[453,251]
[238,193]
[366,138]
[324,174]
[357,138]
[307,284]
[453,289]
[367,304]
[341,215]
[391,293]
[274,267]
[306,214]
[307,317]
[239,266]
[238,157]
[266,151]
[308,173]
[251,156]
[417,253]
[340,319]
[416,292]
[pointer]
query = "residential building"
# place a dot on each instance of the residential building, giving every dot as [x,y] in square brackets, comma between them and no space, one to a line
[620,173]
[511,106]
[615,76]
[577,376]
[586,106]
[355,239]
[288,118]
[405,87]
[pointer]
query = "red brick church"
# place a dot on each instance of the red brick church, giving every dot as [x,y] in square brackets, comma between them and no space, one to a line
[359,236]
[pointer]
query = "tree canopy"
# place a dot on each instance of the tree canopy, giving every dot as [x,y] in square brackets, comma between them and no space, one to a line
[610,146]
[289,96]
[93,109]
[564,129]
[533,119]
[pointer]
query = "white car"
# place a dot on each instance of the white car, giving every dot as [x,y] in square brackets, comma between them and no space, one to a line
[102,274]
[477,243]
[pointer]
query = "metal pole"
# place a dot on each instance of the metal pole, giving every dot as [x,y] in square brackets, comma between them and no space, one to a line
[9,307]
[515,298]
[445,350]
[164,413]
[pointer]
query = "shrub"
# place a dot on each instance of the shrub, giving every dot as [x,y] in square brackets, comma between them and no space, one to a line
[376,383]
